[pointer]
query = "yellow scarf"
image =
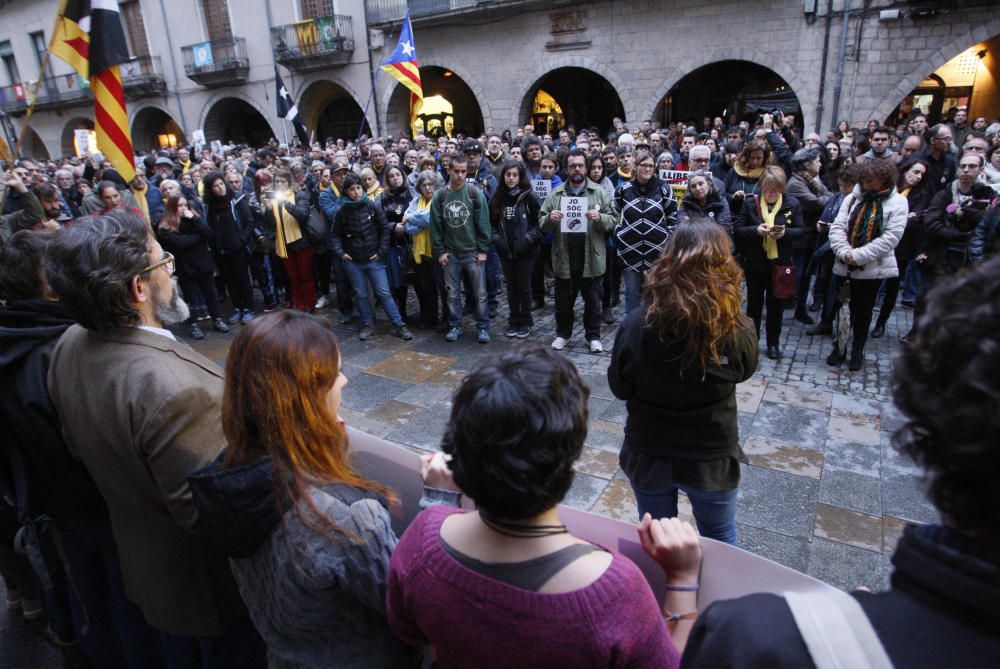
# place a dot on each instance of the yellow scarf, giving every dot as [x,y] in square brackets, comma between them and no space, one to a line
[746,173]
[905,192]
[422,240]
[374,191]
[140,199]
[185,166]
[286,228]
[623,174]
[768,213]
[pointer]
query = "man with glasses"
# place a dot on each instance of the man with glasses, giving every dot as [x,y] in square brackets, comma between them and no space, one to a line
[940,158]
[142,411]
[700,158]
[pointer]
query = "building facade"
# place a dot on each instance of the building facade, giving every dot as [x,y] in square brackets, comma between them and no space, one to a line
[209,64]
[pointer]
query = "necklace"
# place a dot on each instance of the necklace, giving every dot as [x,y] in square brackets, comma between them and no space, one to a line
[520,530]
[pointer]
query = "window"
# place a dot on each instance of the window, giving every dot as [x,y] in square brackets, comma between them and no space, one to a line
[40,47]
[314,9]
[10,65]
[135,28]
[217,19]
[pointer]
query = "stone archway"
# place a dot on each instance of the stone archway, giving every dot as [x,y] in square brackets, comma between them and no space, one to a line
[68,134]
[234,118]
[149,124]
[390,92]
[331,111]
[551,63]
[580,97]
[466,117]
[32,146]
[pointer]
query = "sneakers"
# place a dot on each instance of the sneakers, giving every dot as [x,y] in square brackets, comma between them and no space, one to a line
[197,332]
[559,343]
[523,332]
[322,302]
[403,333]
[235,317]
[511,331]
[345,319]
[596,346]
[367,332]
[453,334]
[31,609]
[483,337]
[220,325]
[247,317]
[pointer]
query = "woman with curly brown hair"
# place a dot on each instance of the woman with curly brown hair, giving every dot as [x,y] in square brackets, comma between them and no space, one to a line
[741,182]
[676,363]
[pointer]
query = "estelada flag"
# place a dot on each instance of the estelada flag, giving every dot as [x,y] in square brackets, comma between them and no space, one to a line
[402,65]
[89,36]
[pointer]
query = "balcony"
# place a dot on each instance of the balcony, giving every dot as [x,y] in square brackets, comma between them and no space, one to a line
[314,44]
[143,77]
[68,90]
[393,11]
[217,63]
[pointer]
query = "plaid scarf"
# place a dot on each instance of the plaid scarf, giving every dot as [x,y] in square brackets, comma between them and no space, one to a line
[866,220]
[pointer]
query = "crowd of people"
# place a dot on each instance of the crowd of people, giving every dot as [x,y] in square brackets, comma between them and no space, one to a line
[172,514]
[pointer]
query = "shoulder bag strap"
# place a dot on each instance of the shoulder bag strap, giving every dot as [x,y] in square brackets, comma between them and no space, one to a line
[836,631]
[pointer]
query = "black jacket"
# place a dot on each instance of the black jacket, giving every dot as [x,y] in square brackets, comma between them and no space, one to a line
[515,226]
[232,226]
[948,236]
[360,231]
[750,245]
[943,611]
[58,483]
[298,209]
[189,246]
[394,205]
[671,415]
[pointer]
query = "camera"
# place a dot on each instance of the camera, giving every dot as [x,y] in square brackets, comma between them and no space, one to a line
[276,195]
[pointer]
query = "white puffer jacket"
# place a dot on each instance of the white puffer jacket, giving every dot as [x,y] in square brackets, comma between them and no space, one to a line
[875,259]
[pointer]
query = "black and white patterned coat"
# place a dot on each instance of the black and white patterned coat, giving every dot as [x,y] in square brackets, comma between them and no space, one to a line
[646,217]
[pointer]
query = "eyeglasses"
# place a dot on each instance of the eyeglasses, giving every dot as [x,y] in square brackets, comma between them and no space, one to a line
[647,166]
[167,260]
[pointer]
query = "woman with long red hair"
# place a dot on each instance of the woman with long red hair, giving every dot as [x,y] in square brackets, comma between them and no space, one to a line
[309,537]
[676,363]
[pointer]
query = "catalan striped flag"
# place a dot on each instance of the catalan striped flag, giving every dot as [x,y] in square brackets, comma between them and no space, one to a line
[89,36]
[402,66]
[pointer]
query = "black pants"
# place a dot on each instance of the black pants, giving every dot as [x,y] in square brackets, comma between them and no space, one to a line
[426,288]
[345,294]
[892,290]
[863,295]
[518,274]
[543,260]
[322,265]
[203,282]
[566,292]
[235,267]
[612,280]
[758,292]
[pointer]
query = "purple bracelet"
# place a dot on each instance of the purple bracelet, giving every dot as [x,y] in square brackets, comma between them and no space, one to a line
[682,588]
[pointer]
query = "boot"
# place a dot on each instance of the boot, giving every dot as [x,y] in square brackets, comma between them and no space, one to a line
[836,357]
[821,328]
[802,316]
[857,358]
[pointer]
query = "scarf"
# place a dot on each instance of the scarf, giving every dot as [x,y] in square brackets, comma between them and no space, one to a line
[422,240]
[348,202]
[624,175]
[866,222]
[514,192]
[140,198]
[753,174]
[769,213]
[185,166]
[287,231]
[374,190]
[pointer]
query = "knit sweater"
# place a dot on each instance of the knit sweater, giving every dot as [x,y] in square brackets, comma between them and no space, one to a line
[472,620]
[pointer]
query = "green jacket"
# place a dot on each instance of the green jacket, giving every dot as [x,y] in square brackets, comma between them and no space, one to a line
[595,256]
[25,219]
[460,221]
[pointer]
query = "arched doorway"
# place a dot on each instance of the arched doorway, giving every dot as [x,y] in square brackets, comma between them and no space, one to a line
[434,120]
[67,144]
[331,112]
[735,90]
[153,128]
[571,96]
[232,120]
[32,146]
[971,80]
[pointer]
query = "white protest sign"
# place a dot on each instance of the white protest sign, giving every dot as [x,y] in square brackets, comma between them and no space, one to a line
[677,180]
[541,188]
[82,136]
[216,147]
[727,572]
[574,211]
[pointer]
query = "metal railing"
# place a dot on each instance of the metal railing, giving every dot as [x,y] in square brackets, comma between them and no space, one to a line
[62,89]
[313,37]
[141,71]
[215,56]
[389,11]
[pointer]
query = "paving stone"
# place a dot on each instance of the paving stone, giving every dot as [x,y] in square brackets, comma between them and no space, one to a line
[892,530]
[849,527]
[426,395]
[365,423]
[894,461]
[777,501]
[745,422]
[449,378]
[395,412]
[595,462]
[609,427]
[904,496]
[618,502]
[749,394]
[892,418]
[790,425]
[604,441]
[585,491]
[852,429]
[595,407]
[853,456]
[365,392]
[846,567]
[411,366]
[598,384]
[616,412]
[790,551]
[424,429]
[856,408]
[213,348]
[807,399]
[783,457]
[851,490]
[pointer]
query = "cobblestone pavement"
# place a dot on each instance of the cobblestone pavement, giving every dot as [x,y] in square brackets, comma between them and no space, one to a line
[824,492]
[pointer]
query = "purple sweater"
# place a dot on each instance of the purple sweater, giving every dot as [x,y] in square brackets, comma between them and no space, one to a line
[472,620]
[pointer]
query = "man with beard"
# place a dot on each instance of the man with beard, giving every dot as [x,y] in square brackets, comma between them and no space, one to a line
[142,411]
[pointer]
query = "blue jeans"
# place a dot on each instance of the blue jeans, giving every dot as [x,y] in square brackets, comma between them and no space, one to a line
[714,510]
[461,264]
[360,275]
[492,277]
[633,280]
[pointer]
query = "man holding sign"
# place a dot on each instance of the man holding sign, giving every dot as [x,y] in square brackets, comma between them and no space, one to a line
[579,214]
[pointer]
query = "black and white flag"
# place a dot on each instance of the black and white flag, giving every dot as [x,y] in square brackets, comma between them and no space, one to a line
[288,111]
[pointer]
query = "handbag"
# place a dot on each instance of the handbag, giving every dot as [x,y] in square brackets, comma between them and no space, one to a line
[408,265]
[783,283]
[315,228]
